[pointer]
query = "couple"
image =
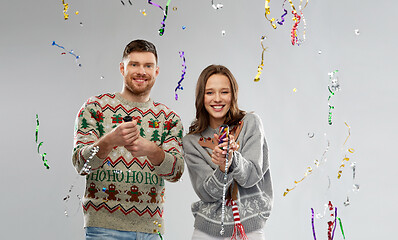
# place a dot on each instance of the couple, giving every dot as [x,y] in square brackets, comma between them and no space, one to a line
[126,145]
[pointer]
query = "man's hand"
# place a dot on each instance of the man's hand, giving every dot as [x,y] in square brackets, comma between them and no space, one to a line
[143,147]
[124,134]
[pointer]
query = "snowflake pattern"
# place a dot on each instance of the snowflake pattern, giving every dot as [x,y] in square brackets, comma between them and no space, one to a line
[245,208]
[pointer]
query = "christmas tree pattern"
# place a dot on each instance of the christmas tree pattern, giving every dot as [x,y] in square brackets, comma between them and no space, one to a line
[180,134]
[142,132]
[164,135]
[84,123]
[155,136]
[100,129]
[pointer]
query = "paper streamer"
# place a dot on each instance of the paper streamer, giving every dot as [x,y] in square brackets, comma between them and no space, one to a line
[43,156]
[260,67]
[300,41]
[216,6]
[341,227]
[351,150]
[165,11]
[77,57]
[313,226]
[308,171]
[296,19]
[224,134]
[284,14]
[331,93]
[267,12]
[184,68]
[161,30]
[124,4]
[332,224]
[66,6]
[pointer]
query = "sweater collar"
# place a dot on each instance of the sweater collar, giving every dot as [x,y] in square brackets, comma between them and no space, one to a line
[132,104]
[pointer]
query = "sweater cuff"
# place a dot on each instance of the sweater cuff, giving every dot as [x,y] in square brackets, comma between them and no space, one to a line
[219,175]
[95,162]
[167,166]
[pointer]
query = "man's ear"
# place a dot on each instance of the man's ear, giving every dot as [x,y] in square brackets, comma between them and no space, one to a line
[121,67]
[157,71]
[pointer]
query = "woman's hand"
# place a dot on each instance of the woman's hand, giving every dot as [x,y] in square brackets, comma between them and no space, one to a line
[219,152]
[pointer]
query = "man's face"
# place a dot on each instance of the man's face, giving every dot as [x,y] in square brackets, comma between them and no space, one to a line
[139,71]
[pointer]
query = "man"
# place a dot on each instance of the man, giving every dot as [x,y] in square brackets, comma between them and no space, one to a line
[126,162]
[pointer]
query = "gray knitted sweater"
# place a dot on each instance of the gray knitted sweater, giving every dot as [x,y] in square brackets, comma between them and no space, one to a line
[249,171]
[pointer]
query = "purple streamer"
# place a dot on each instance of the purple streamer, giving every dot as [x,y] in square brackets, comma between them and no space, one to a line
[283,19]
[313,227]
[182,76]
[335,217]
[154,4]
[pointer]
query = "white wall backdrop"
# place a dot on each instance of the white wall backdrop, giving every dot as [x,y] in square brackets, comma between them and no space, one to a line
[37,79]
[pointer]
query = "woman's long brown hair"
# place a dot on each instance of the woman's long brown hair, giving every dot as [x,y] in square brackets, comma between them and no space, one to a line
[202,120]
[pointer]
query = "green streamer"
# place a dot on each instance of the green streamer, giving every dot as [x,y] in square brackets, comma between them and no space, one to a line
[43,156]
[341,227]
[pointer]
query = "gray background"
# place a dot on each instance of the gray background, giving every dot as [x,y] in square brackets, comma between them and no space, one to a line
[37,79]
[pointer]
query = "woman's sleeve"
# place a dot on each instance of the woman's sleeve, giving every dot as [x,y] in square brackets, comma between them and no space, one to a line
[206,180]
[251,162]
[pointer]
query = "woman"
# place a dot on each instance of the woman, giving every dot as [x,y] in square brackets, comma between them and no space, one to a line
[248,177]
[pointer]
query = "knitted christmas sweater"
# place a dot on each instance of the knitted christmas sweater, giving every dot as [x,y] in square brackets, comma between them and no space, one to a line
[249,173]
[124,192]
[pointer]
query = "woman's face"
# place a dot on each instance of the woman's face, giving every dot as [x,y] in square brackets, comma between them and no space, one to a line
[217,99]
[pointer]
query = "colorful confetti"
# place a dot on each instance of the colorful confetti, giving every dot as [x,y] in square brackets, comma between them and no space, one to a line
[260,67]
[156,230]
[331,224]
[216,6]
[143,12]
[70,52]
[43,156]
[184,68]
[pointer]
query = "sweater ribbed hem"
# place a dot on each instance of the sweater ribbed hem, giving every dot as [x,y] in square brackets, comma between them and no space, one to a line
[213,229]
